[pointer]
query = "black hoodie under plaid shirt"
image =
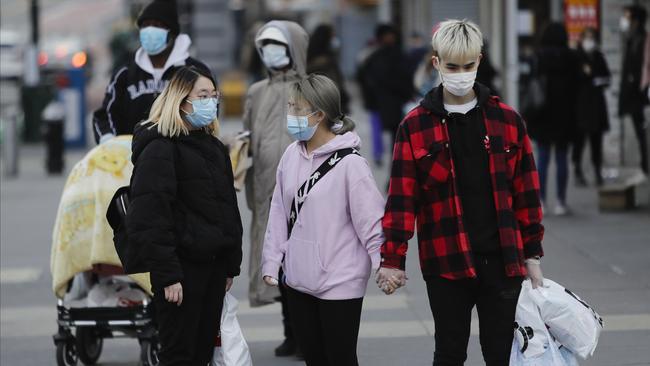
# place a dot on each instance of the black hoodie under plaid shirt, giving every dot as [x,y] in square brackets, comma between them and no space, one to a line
[423,185]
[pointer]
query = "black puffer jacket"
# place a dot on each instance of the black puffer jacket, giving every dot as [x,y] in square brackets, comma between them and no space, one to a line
[183,204]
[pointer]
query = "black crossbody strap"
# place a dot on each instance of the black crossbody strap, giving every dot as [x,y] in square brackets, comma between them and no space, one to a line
[314,178]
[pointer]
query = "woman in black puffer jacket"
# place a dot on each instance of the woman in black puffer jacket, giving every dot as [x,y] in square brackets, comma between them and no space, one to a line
[184,214]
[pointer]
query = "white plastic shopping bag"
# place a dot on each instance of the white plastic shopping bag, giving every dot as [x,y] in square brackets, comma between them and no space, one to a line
[570,320]
[234,349]
[530,331]
[533,345]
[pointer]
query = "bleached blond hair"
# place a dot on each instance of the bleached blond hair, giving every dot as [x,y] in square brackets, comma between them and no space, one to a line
[457,38]
[165,114]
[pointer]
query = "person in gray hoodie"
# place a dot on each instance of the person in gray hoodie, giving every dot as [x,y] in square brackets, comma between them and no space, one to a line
[282,46]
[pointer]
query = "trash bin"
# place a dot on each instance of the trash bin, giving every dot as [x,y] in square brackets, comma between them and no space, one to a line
[53,122]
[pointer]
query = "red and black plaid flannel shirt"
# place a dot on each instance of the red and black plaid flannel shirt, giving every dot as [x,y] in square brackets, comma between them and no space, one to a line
[423,185]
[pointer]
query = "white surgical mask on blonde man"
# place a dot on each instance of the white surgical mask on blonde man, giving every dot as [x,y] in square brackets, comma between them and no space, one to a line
[457,62]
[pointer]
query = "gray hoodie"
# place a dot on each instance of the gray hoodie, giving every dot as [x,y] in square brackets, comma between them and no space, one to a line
[265,115]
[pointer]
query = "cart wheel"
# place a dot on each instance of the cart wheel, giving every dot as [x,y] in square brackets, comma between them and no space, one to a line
[89,345]
[66,354]
[149,352]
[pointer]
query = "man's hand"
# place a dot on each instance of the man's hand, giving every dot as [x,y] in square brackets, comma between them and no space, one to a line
[174,293]
[270,281]
[534,269]
[390,279]
[228,283]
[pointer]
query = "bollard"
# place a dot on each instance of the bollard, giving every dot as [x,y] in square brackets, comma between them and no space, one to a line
[10,145]
[53,118]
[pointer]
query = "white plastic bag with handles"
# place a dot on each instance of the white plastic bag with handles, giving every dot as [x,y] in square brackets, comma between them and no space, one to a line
[234,349]
[532,344]
[571,321]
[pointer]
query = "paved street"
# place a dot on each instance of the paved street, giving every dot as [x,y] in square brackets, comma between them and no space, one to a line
[602,257]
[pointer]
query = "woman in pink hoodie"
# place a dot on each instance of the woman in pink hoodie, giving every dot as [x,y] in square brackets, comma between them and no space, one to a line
[324,227]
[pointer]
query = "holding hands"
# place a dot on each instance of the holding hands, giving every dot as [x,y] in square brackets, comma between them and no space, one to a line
[390,279]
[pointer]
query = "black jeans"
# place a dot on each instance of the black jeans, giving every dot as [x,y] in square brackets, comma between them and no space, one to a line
[596,145]
[638,120]
[495,296]
[326,330]
[286,316]
[187,333]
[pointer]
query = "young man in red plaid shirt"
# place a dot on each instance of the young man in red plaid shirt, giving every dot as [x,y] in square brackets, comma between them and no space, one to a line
[463,166]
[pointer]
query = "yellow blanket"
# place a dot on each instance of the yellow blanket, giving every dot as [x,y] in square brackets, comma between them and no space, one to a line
[82,236]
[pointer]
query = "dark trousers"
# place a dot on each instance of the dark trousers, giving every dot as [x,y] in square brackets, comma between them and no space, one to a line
[187,333]
[543,160]
[495,296]
[326,330]
[284,301]
[596,147]
[638,120]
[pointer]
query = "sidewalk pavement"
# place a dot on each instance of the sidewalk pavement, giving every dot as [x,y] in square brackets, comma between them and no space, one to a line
[602,257]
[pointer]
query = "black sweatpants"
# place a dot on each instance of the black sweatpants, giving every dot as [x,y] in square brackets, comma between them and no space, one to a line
[326,330]
[495,296]
[187,333]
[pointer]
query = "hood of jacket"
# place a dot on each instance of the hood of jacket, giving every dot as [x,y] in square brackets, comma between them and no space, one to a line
[347,140]
[298,42]
[177,57]
[143,134]
[433,102]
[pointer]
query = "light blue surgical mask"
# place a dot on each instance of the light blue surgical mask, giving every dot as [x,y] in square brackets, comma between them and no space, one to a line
[275,56]
[299,127]
[153,40]
[205,111]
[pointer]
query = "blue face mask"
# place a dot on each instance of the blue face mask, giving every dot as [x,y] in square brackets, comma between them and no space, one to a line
[205,111]
[153,40]
[299,127]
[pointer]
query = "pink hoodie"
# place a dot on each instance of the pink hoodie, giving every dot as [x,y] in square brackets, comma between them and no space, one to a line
[336,239]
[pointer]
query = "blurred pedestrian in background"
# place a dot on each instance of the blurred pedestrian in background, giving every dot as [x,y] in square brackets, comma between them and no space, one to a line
[386,80]
[417,49]
[190,236]
[553,128]
[369,103]
[591,108]
[487,73]
[426,76]
[632,98]
[134,86]
[282,46]
[322,58]
[326,192]
[463,173]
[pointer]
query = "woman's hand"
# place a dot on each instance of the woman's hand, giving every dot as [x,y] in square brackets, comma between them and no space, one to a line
[228,283]
[174,293]
[270,281]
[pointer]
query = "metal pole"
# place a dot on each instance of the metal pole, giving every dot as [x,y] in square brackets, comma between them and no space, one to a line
[10,145]
[32,77]
[512,54]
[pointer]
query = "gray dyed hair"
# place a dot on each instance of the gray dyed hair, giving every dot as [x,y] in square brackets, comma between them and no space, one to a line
[322,94]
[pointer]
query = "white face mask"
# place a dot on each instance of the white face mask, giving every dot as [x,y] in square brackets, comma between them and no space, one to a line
[588,45]
[624,23]
[275,56]
[457,83]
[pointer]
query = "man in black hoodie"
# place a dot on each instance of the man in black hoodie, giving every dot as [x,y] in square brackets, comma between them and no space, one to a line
[134,86]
